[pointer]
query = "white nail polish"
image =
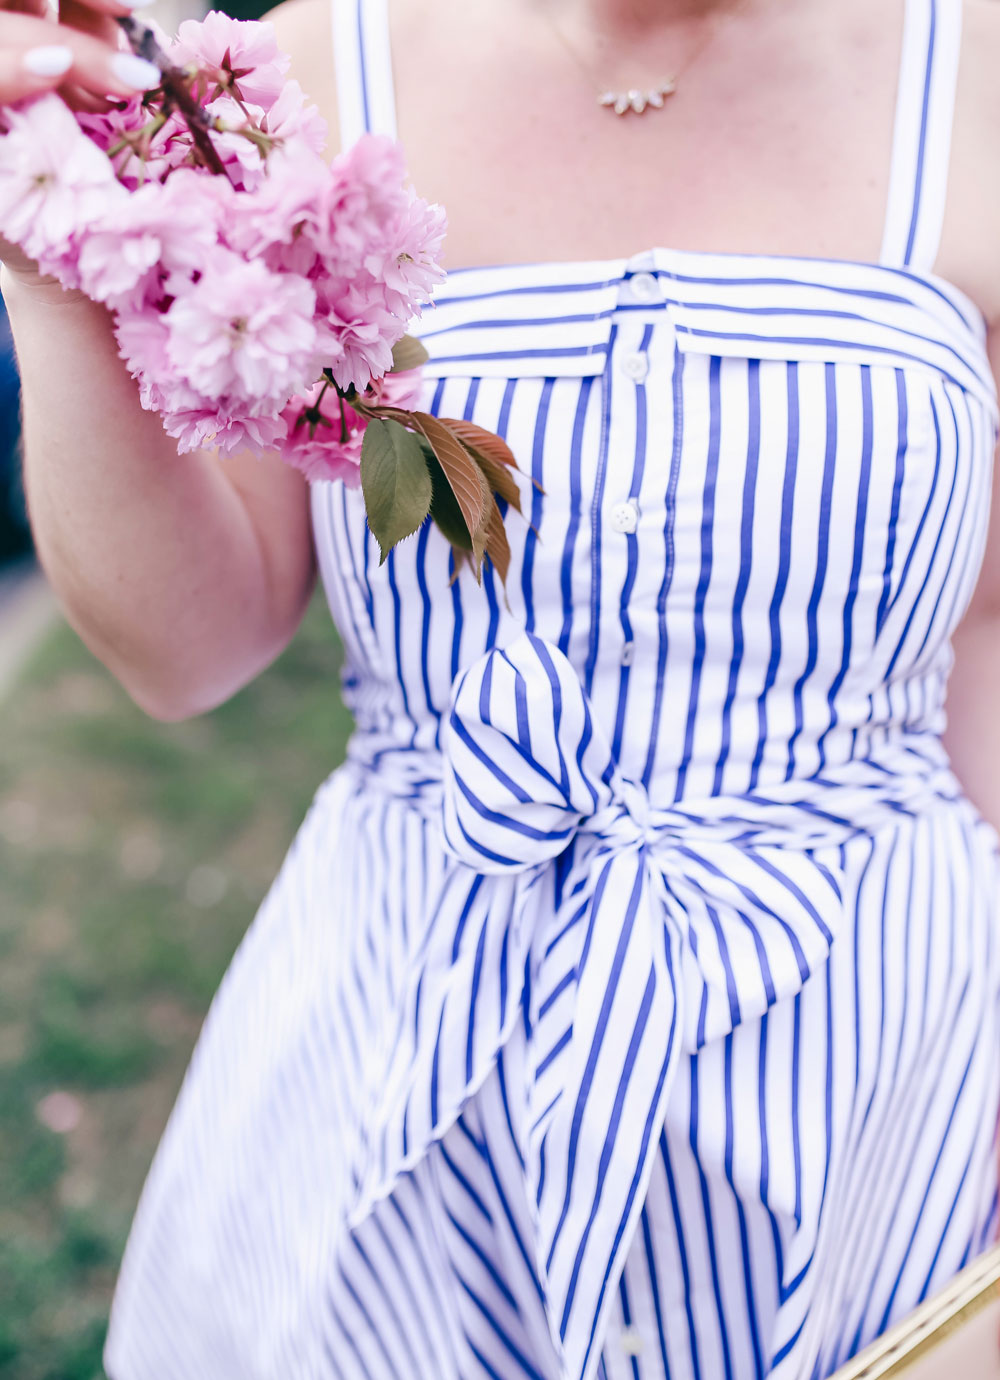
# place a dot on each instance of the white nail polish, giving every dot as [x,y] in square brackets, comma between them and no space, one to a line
[135,71]
[137,4]
[52,60]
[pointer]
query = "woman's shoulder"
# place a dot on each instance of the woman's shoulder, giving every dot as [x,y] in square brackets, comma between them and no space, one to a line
[980,55]
[970,254]
[304,30]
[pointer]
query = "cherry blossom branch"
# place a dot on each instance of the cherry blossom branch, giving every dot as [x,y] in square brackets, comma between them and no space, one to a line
[176,91]
[262,309]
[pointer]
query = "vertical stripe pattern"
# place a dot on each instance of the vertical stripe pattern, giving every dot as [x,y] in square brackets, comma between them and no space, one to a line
[627,1005]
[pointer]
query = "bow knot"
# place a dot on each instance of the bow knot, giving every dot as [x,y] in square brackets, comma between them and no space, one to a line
[635,802]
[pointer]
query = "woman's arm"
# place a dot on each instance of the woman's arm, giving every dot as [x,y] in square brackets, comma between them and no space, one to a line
[970,259]
[184,574]
[973,705]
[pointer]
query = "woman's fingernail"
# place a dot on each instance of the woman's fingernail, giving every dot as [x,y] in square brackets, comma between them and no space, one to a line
[135,71]
[137,4]
[52,60]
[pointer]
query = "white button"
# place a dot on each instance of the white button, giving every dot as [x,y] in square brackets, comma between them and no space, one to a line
[625,516]
[636,365]
[644,287]
[631,1342]
[628,653]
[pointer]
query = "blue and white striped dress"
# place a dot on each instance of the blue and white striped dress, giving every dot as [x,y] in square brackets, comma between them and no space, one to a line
[627,1006]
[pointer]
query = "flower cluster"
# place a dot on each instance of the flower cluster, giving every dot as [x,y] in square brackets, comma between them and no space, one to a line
[250,305]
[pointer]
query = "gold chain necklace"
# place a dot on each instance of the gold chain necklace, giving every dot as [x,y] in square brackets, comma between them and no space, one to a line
[635,98]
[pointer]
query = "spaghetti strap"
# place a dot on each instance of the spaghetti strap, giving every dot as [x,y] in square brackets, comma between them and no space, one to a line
[918,180]
[363,64]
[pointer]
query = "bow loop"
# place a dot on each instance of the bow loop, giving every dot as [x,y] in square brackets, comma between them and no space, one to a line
[524,761]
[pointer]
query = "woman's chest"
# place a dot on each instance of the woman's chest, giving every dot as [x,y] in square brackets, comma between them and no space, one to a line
[778,139]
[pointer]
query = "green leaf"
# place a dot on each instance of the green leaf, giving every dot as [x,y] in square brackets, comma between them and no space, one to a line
[408,353]
[395,482]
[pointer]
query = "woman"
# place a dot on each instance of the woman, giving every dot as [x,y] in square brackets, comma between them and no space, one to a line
[627,1005]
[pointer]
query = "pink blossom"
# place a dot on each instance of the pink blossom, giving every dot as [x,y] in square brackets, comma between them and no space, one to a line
[162,230]
[192,419]
[277,220]
[292,117]
[318,448]
[246,50]
[143,337]
[378,246]
[231,293]
[403,390]
[118,262]
[370,176]
[326,449]
[106,127]
[170,148]
[358,347]
[289,121]
[408,261]
[207,427]
[364,192]
[243,332]
[375,217]
[54,182]
[241,156]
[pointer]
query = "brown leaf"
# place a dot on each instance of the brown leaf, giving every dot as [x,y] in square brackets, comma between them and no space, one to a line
[497,546]
[460,558]
[499,478]
[480,535]
[467,480]
[478,438]
[445,512]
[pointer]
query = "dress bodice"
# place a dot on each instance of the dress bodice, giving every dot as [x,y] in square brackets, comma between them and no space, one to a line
[756,494]
[756,488]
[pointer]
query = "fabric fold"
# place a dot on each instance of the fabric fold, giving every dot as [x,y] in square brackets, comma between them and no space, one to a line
[746,307]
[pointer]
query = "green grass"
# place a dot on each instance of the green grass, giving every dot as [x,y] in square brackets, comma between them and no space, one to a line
[132,857]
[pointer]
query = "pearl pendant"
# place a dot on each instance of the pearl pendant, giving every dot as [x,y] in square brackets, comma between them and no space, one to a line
[621,102]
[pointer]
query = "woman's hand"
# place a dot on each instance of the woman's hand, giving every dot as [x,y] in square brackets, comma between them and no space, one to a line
[77,55]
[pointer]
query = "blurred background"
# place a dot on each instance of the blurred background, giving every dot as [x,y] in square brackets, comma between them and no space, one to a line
[132,857]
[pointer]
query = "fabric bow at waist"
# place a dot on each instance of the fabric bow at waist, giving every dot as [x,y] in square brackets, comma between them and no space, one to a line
[618,933]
